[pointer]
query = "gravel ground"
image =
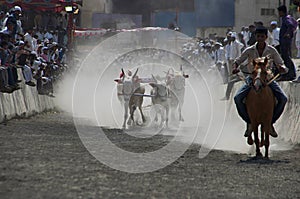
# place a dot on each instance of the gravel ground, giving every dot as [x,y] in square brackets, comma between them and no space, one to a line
[43,157]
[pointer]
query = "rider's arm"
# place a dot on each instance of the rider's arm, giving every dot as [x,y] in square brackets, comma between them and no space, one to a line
[244,56]
[279,62]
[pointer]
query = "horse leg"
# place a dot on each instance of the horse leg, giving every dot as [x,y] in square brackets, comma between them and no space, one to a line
[250,139]
[262,130]
[267,142]
[256,140]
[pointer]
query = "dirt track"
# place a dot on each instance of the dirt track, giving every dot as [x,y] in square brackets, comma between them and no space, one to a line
[43,157]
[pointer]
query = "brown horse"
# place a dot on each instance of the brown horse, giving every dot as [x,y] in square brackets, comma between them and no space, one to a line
[260,104]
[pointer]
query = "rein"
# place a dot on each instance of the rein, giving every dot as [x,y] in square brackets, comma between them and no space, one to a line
[273,79]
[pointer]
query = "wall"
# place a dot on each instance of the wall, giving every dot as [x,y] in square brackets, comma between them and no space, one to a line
[243,8]
[24,102]
[93,6]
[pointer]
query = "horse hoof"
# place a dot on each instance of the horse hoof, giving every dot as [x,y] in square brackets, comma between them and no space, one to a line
[250,141]
[259,155]
[267,158]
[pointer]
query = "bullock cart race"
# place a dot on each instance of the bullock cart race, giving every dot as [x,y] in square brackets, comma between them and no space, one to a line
[130,110]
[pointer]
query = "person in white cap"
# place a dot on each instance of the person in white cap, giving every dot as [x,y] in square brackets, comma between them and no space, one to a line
[14,18]
[297,40]
[220,61]
[235,50]
[275,33]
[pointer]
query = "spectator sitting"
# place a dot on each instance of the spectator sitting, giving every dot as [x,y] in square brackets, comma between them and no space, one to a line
[48,35]
[28,37]
[9,72]
[4,87]
[45,54]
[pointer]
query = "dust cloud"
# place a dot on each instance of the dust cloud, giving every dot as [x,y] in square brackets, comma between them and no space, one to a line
[89,92]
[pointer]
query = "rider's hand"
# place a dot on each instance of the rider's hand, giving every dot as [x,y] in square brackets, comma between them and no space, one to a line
[283,69]
[235,68]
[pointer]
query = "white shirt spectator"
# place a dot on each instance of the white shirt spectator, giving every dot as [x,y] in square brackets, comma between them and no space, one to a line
[235,48]
[246,36]
[29,39]
[40,35]
[48,35]
[275,34]
[220,55]
[297,41]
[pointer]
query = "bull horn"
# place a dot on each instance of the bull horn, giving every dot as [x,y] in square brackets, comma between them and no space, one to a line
[123,73]
[135,73]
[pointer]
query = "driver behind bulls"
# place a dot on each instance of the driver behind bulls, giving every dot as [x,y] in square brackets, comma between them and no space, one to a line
[260,49]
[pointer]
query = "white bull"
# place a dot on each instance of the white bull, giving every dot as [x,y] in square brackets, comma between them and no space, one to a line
[176,84]
[160,100]
[130,93]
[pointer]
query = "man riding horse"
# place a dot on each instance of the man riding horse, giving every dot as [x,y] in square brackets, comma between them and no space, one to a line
[260,49]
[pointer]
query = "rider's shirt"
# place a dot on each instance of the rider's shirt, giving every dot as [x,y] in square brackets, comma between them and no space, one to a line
[251,53]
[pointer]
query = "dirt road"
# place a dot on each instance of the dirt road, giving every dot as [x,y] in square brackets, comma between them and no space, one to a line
[43,157]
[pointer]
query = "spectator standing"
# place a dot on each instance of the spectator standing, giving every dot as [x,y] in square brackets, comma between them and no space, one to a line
[227,48]
[252,39]
[298,47]
[275,33]
[245,32]
[2,18]
[220,61]
[235,50]
[285,39]
[297,40]
[14,19]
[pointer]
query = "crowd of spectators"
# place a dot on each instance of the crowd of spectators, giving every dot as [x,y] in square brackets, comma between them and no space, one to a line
[39,52]
[218,52]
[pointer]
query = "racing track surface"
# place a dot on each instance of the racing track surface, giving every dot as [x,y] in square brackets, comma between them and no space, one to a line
[43,157]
